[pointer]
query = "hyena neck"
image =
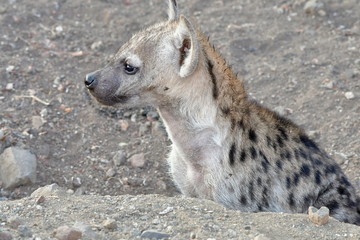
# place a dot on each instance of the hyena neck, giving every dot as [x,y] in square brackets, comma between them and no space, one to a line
[212,92]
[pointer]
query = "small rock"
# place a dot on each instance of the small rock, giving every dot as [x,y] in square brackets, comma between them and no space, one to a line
[110,224]
[144,128]
[99,45]
[282,111]
[43,112]
[37,122]
[313,134]
[24,231]
[319,217]
[124,125]
[166,211]
[10,68]
[261,237]
[48,190]
[151,234]
[133,117]
[15,221]
[137,160]
[119,158]
[110,173]
[152,116]
[349,95]
[312,6]
[9,86]
[80,191]
[76,182]
[17,167]
[87,232]
[40,200]
[67,233]
[328,84]
[5,235]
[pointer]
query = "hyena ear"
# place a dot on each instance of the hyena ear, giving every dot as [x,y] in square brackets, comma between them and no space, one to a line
[173,11]
[187,44]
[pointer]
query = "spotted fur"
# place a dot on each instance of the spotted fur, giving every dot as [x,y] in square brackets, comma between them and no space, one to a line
[225,147]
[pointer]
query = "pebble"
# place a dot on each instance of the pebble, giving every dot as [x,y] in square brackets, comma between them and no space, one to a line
[349,95]
[152,116]
[119,158]
[24,231]
[9,86]
[76,182]
[98,45]
[261,237]
[15,221]
[124,125]
[5,235]
[40,200]
[110,173]
[48,190]
[319,217]
[37,122]
[312,6]
[110,224]
[151,234]
[133,117]
[282,111]
[67,233]
[17,167]
[87,232]
[10,68]
[137,160]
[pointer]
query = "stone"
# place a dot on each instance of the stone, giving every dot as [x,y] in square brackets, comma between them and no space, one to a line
[48,190]
[24,231]
[5,235]
[312,6]
[17,167]
[76,182]
[86,231]
[124,125]
[15,221]
[110,224]
[110,173]
[261,237]
[319,217]
[137,160]
[151,234]
[349,95]
[152,116]
[119,158]
[98,45]
[37,122]
[67,233]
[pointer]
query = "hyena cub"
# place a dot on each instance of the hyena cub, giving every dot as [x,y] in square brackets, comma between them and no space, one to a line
[225,147]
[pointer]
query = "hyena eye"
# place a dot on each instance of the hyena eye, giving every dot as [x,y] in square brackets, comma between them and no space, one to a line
[130,70]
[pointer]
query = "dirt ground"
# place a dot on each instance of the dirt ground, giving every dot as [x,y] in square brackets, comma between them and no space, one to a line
[304,64]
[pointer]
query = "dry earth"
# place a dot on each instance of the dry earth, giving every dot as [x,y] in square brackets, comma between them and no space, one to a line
[305,65]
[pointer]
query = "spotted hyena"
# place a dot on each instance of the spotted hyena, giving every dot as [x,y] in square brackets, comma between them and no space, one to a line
[225,147]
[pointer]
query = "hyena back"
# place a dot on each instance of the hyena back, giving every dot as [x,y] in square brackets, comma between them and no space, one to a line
[225,147]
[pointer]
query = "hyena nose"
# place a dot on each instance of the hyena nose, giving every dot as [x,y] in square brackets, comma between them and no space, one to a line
[90,80]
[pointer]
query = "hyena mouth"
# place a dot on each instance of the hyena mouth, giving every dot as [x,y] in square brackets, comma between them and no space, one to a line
[112,100]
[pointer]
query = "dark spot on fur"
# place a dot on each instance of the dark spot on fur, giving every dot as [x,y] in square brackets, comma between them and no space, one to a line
[215,89]
[232,154]
[251,191]
[253,153]
[283,133]
[308,201]
[303,153]
[265,202]
[308,142]
[288,182]
[296,154]
[333,205]
[243,200]
[225,110]
[291,200]
[288,155]
[279,141]
[243,156]
[268,141]
[265,166]
[252,135]
[330,169]
[346,182]
[260,208]
[241,124]
[305,170]
[233,123]
[166,88]
[343,191]
[265,192]
[279,164]
[318,177]
[296,179]
[259,181]
[318,162]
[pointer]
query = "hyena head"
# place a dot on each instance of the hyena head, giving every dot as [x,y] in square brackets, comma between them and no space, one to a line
[149,64]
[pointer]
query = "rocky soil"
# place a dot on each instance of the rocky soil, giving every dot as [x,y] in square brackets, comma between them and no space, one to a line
[301,58]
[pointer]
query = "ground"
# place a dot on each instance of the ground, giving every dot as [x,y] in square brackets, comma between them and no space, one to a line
[303,63]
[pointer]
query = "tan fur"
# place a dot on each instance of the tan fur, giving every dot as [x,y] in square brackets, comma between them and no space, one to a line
[225,147]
